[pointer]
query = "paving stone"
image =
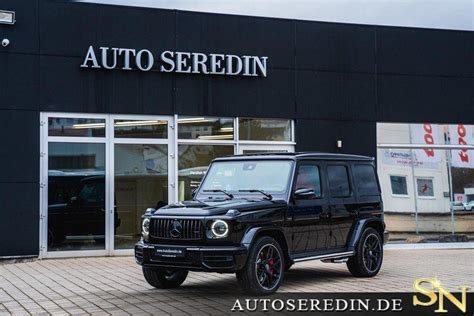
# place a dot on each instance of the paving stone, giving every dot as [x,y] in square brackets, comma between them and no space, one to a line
[115,285]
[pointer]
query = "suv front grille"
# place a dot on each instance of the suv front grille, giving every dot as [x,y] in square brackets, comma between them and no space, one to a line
[189,229]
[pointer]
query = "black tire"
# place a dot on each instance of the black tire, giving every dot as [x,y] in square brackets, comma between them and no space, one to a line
[369,255]
[164,279]
[264,270]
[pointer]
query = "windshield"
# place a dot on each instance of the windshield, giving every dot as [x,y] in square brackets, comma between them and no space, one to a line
[270,176]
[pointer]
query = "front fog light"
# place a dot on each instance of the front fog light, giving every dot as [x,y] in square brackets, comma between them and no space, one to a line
[220,228]
[145,227]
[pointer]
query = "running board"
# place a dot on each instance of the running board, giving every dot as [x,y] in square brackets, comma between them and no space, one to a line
[326,256]
[336,260]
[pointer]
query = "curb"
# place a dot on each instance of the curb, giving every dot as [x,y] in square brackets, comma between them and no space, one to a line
[421,246]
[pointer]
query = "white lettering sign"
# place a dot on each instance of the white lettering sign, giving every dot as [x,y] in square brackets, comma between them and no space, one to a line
[110,58]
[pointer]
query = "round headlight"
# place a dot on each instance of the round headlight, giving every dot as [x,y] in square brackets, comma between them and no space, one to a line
[220,228]
[145,227]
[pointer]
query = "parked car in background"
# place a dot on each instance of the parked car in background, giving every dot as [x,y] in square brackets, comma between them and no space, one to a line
[469,206]
[76,209]
[457,206]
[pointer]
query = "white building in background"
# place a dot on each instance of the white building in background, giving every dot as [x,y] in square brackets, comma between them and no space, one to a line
[417,183]
[408,173]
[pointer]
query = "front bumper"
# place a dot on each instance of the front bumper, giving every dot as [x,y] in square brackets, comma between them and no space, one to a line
[197,258]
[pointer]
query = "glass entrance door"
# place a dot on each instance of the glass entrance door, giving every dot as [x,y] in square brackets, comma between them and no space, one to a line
[74,159]
[142,178]
[99,174]
[140,182]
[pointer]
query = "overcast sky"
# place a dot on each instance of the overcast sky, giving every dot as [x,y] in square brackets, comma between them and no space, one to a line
[443,14]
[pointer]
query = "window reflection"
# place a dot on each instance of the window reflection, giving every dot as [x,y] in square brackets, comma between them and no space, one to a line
[76,196]
[206,128]
[82,127]
[193,163]
[141,181]
[141,129]
[264,129]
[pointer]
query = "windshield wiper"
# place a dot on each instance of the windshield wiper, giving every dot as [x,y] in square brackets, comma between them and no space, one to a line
[267,195]
[222,191]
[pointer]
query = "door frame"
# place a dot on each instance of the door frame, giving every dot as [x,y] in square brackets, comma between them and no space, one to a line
[109,142]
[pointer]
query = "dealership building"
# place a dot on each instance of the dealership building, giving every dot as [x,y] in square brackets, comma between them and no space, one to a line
[108,110]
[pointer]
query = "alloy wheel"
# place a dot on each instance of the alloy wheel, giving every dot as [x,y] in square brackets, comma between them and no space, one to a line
[372,252]
[268,267]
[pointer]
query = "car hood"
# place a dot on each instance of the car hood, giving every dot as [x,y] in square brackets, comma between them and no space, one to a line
[212,208]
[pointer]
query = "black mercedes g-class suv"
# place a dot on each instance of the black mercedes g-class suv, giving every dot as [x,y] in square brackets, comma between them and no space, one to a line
[257,215]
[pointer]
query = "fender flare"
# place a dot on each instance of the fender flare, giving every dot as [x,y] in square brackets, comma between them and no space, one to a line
[359,228]
[252,232]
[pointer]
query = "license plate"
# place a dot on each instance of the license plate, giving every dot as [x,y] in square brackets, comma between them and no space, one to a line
[170,252]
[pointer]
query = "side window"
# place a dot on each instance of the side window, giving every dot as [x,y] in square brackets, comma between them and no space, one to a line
[92,193]
[399,185]
[425,187]
[338,181]
[308,177]
[365,179]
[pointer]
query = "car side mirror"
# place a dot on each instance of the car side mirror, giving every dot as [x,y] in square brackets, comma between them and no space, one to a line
[304,194]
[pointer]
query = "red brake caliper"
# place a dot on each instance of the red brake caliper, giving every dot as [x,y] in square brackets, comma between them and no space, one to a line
[271,264]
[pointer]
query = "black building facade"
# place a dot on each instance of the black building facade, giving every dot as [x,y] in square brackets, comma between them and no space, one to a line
[334,81]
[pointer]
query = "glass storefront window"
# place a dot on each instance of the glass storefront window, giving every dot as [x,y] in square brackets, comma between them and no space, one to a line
[193,161]
[205,128]
[79,205]
[76,196]
[264,129]
[140,128]
[141,181]
[78,127]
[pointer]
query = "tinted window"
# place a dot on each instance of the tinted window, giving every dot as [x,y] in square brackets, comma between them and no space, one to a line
[141,129]
[399,185]
[85,127]
[92,193]
[205,128]
[308,178]
[264,129]
[365,179]
[338,181]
